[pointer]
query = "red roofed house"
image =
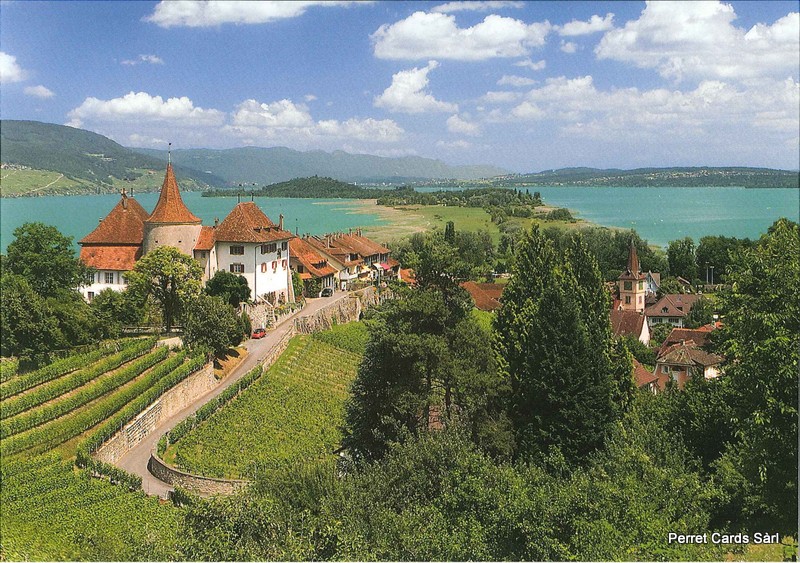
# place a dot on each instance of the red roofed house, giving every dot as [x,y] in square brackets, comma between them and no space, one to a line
[672,308]
[312,265]
[361,258]
[114,247]
[485,295]
[646,379]
[685,360]
[247,243]
[630,323]
[700,337]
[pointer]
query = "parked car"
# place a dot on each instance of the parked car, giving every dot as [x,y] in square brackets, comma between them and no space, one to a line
[259,333]
[327,292]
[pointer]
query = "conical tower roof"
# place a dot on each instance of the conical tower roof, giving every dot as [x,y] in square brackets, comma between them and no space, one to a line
[632,270]
[170,207]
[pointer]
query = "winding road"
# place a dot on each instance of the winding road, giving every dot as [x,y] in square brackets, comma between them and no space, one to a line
[135,461]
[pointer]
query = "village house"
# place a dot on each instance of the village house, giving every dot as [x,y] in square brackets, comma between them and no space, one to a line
[630,323]
[672,308]
[647,380]
[700,336]
[311,265]
[246,243]
[684,360]
[631,284]
[486,296]
[363,260]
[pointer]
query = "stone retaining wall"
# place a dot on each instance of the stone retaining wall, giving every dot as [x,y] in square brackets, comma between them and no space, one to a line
[205,486]
[174,400]
[342,311]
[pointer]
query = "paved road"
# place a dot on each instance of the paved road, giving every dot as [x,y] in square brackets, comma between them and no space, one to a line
[135,461]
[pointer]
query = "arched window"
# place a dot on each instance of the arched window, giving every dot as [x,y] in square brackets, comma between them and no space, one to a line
[263,267]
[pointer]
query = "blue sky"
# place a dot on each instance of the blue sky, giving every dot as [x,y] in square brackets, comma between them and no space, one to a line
[527,86]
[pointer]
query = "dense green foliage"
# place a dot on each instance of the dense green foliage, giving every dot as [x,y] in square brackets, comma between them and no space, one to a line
[169,277]
[681,258]
[290,414]
[569,381]
[211,324]
[116,309]
[45,258]
[52,512]
[231,288]
[8,369]
[717,251]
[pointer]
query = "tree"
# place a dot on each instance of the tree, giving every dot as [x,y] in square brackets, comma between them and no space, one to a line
[760,341]
[660,332]
[450,232]
[169,277]
[702,313]
[116,309]
[554,338]
[211,323]
[27,325]
[45,258]
[231,288]
[682,261]
[716,251]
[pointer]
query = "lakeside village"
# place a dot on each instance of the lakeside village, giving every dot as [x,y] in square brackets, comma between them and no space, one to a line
[247,243]
[457,420]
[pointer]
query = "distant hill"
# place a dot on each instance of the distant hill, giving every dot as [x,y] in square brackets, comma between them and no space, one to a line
[658,177]
[47,158]
[260,166]
[315,186]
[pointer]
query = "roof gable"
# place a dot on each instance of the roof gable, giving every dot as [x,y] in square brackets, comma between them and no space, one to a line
[303,252]
[672,305]
[247,223]
[627,323]
[170,207]
[124,224]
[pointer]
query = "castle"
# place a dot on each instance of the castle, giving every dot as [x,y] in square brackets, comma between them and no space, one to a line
[246,243]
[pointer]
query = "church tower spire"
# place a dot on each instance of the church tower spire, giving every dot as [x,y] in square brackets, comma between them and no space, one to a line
[631,283]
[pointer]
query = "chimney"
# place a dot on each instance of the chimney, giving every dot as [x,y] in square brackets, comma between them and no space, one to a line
[124,199]
[280,222]
[216,221]
[349,231]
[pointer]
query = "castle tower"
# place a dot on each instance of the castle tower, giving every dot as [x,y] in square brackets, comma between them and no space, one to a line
[171,223]
[631,284]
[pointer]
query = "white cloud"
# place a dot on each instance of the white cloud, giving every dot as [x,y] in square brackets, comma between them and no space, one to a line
[512,80]
[38,92]
[198,13]
[459,144]
[407,93]
[150,59]
[528,111]
[309,97]
[568,46]
[456,124]
[527,63]
[698,40]
[141,106]
[476,6]
[284,120]
[595,24]
[10,71]
[503,97]
[136,140]
[424,35]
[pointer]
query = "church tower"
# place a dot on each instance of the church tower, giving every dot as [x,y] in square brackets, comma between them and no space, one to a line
[171,223]
[631,284]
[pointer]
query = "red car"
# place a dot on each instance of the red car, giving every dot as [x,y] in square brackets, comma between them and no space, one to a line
[259,333]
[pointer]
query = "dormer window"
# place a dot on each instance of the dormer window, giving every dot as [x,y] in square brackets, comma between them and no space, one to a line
[664,309]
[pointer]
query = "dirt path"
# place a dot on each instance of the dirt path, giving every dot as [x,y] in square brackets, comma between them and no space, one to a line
[45,187]
[135,461]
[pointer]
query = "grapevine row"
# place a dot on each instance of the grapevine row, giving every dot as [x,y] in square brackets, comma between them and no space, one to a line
[8,369]
[42,414]
[58,387]
[57,369]
[58,431]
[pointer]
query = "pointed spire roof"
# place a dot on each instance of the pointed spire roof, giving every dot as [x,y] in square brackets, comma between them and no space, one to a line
[632,270]
[170,207]
[123,225]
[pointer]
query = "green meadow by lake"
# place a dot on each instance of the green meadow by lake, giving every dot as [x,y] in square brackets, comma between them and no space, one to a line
[658,214]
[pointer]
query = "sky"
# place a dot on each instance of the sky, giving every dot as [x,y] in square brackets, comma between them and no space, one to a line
[526,86]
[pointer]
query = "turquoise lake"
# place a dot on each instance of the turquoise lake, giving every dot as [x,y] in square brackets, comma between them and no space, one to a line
[658,214]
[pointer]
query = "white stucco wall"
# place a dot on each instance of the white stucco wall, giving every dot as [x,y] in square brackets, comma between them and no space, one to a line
[99,284]
[264,273]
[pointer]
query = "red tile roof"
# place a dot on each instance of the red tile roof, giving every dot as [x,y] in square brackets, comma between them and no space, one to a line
[699,336]
[627,323]
[642,375]
[483,300]
[688,354]
[340,254]
[407,275]
[671,302]
[247,223]
[170,207]
[123,225]
[121,258]
[206,239]
[304,253]
[351,243]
